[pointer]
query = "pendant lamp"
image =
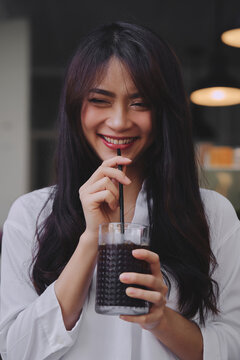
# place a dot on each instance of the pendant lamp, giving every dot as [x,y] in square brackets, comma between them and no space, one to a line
[231,36]
[218,88]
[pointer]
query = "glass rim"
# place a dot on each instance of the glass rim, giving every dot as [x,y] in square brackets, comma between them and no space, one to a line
[117,223]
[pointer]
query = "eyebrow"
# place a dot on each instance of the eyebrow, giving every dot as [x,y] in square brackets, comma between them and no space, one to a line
[111,94]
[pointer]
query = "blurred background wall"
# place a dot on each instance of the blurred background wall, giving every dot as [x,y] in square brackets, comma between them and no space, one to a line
[14,111]
[37,40]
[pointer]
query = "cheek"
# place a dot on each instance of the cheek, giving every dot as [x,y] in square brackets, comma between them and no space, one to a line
[145,123]
[89,117]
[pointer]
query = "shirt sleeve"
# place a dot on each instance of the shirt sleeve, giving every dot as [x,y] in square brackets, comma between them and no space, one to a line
[31,326]
[221,333]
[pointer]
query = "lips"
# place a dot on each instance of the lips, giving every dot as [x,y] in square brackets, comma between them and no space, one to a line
[118,141]
[115,142]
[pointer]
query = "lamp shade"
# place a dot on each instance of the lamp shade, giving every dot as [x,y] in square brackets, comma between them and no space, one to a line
[218,88]
[231,34]
[231,37]
[216,96]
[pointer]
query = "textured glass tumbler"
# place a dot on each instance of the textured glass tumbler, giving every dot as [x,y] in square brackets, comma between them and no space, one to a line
[115,257]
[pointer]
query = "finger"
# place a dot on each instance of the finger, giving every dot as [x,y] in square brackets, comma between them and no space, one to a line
[115,182]
[148,280]
[149,256]
[94,200]
[116,160]
[99,173]
[154,297]
[138,319]
[104,184]
[111,173]
[147,321]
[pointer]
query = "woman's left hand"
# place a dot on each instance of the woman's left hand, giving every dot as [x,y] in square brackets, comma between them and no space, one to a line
[155,295]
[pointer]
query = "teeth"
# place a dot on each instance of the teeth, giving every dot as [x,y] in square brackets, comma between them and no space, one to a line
[119,142]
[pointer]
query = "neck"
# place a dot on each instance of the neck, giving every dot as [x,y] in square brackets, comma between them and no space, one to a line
[131,191]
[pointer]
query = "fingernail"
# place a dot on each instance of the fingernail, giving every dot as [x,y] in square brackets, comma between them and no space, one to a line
[135,251]
[130,291]
[127,179]
[123,277]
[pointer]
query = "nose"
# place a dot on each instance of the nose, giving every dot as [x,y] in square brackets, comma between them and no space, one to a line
[119,119]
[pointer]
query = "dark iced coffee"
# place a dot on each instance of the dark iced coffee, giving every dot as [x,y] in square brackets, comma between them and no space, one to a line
[115,257]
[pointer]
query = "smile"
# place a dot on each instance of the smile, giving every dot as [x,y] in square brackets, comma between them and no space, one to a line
[119,141]
[114,142]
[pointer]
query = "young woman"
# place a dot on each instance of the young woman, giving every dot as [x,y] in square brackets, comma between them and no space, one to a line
[123,89]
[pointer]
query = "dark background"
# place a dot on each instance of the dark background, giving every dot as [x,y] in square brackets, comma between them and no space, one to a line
[191,27]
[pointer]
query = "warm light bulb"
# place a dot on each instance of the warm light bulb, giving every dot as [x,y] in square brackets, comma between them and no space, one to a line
[216,96]
[231,37]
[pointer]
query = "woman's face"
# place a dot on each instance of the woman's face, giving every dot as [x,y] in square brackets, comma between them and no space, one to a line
[114,115]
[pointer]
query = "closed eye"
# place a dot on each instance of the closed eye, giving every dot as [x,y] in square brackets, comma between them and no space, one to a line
[140,104]
[98,101]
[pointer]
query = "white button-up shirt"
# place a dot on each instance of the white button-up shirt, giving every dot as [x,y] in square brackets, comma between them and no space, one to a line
[32,327]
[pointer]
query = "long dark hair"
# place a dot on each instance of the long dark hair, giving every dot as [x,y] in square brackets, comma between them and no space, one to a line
[179,229]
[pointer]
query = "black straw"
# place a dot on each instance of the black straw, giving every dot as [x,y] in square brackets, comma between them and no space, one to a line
[121,197]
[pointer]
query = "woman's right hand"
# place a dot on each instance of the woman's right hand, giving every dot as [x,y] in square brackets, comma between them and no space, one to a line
[100,194]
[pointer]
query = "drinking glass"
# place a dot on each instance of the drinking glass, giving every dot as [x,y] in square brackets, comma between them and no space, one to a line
[116,242]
